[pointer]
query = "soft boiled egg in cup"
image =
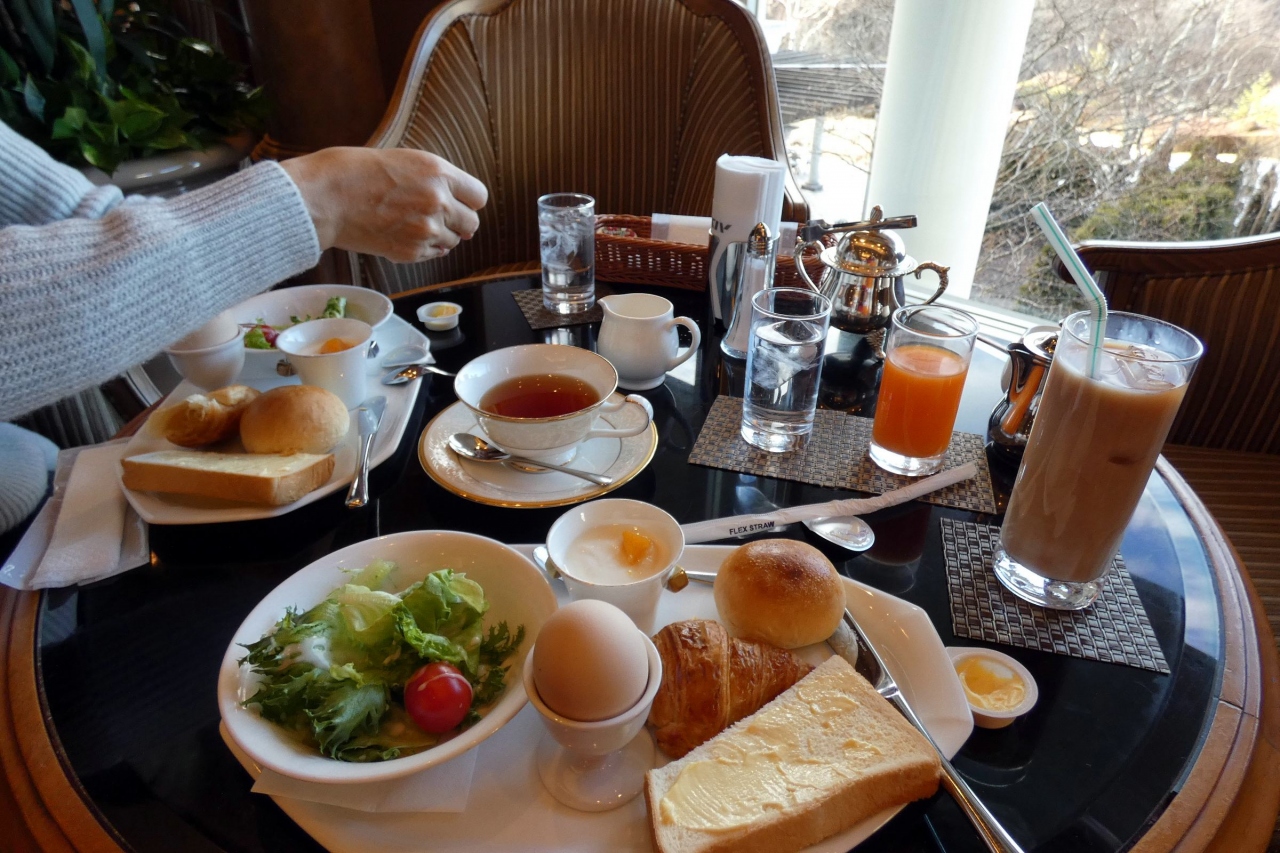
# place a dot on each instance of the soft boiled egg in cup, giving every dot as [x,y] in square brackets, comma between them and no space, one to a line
[592,675]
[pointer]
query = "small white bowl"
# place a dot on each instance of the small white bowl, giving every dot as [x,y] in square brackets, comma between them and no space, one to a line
[210,367]
[982,717]
[342,372]
[442,323]
[637,598]
[278,307]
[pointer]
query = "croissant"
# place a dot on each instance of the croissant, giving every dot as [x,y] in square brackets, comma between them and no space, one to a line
[205,418]
[711,680]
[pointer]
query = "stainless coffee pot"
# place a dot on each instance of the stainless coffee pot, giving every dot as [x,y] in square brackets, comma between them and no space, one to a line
[864,271]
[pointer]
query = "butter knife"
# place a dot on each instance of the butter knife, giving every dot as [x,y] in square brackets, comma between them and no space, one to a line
[369,418]
[847,641]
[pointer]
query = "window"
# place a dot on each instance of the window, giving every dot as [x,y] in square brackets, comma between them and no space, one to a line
[1133,119]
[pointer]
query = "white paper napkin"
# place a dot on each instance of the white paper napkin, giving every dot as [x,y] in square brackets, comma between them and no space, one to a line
[696,230]
[747,190]
[444,788]
[86,531]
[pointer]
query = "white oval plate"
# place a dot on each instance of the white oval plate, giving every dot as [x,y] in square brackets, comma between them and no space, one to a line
[517,591]
[508,808]
[158,508]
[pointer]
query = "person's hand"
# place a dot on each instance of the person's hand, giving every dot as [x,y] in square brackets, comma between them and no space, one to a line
[402,204]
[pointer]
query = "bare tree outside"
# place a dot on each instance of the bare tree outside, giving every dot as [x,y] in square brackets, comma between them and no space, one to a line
[1134,119]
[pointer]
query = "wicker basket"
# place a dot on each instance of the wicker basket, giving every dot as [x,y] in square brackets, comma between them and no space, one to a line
[640,260]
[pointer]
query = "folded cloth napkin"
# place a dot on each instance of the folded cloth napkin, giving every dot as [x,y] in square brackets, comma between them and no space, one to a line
[747,190]
[86,531]
[443,788]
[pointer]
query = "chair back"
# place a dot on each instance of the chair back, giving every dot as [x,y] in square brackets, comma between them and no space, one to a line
[1227,293]
[630,101]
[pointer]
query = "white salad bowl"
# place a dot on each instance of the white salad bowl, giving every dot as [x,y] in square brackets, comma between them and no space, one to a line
[278,307]
[517,592]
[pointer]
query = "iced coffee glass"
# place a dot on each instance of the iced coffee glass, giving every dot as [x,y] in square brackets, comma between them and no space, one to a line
[1102,421]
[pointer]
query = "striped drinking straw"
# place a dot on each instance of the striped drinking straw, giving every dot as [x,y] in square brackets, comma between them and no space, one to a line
[1092,293]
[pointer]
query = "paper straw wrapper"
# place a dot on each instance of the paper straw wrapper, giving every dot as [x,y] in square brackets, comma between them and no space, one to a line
[744,525]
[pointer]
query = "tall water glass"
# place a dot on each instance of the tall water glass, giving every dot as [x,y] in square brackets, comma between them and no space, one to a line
[567,237]
[784,365]
[1095,440]
[926,362]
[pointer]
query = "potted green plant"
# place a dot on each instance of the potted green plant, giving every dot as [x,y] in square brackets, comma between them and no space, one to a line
[98,84]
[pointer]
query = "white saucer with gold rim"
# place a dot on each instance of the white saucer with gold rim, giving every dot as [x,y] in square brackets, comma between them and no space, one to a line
[501,485]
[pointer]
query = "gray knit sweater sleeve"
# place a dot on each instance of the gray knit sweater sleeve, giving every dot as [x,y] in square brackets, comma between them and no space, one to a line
[91,285]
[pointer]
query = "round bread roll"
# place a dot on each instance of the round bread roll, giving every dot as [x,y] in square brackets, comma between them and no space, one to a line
[294,419]
[781,592]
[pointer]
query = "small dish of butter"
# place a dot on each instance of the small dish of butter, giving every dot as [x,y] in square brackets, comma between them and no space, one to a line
[999,689]
[439,316]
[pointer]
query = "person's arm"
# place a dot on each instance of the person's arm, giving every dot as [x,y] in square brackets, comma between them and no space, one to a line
[35,189]
[83,299]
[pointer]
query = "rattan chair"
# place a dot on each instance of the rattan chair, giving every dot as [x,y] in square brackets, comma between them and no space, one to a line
[630,101]
[1226,439]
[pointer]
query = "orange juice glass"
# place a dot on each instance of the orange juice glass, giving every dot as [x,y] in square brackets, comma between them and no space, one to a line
[926,362]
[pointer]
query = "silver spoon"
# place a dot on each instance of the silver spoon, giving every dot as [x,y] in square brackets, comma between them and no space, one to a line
[473,447]
[847,531]
[412,372]
[404,356]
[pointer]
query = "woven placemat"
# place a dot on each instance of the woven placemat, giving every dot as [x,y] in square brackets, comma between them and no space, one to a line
[1114,629]
[836,457]
[530,302]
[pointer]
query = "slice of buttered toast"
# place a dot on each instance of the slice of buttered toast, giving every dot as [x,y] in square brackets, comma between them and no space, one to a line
[824,755]
[254,478]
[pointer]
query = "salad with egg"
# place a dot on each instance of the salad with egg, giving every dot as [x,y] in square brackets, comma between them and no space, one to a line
[262,335]
[369,675]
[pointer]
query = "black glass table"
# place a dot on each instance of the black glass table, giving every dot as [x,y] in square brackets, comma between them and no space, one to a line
[126,668]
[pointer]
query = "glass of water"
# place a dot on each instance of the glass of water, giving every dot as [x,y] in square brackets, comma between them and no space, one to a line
[567,237]
[784,365]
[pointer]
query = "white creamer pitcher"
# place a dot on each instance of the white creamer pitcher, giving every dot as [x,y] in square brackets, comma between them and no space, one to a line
[638,336]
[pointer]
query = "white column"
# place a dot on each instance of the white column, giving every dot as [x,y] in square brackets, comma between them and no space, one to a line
[948,91]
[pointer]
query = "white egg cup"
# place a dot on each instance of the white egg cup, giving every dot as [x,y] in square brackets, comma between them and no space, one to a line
[595,767]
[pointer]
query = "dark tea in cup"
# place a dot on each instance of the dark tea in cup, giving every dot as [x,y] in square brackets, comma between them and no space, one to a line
[547,395]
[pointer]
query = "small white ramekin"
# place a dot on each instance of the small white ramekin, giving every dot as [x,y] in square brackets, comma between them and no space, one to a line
[443,323]
[982,717]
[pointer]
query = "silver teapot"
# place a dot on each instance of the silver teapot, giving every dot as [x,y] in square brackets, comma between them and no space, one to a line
[864,271]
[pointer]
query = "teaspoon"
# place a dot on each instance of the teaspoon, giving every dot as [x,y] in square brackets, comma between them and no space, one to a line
[473,447]
[412,372]
[403,356]
[847,531]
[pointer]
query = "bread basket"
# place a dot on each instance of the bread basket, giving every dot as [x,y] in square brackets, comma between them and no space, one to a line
[627,255]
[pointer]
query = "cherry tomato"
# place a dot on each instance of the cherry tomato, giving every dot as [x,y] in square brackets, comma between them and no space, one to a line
[437,697]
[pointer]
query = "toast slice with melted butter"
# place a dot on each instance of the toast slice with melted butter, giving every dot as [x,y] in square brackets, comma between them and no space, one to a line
[824,755]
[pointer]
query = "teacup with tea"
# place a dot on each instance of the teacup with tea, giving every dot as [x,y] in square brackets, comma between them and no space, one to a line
[543,400]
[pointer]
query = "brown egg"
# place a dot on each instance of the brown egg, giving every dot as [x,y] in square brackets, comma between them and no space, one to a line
[590,662]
